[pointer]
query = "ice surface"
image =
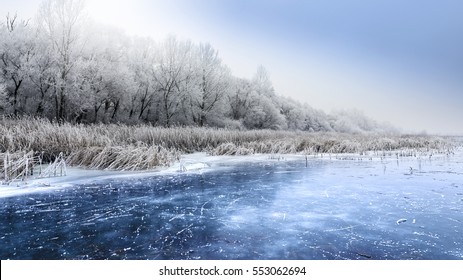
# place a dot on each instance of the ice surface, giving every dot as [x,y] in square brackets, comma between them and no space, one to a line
[256,207]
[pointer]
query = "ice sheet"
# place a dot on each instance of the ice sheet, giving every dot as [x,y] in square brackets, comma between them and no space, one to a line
[250,207]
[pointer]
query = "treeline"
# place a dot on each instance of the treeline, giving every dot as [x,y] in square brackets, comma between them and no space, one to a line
[64,67]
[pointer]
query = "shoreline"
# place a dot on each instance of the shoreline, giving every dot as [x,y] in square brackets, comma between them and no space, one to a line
[193,163]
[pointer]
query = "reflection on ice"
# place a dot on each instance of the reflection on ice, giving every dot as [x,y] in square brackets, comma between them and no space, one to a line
[262,209]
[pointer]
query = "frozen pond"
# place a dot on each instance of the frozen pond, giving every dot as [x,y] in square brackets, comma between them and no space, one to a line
[263,209]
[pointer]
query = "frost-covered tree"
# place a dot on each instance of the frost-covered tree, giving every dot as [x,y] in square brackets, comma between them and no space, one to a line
[16,51]
[212,83]
[63,66]
[354,121]
[103,77]
[239,98]
[62,22]
[173,77]
[316,120]
[141,61]
[253,103]
[263,112]
[293,112]
[3,101]
[262,83]
[41,75]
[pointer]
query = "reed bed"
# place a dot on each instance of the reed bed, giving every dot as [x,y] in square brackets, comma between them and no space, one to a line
[123,157]
[124,147]
[16,166]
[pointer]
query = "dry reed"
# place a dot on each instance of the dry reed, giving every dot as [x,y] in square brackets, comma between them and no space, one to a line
[123,147]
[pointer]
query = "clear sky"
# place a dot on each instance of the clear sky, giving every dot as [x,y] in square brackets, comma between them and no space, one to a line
[397,61]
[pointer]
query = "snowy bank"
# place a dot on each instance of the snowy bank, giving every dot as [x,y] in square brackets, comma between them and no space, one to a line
[189,163]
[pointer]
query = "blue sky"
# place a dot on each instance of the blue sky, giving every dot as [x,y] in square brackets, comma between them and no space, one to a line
[397,61]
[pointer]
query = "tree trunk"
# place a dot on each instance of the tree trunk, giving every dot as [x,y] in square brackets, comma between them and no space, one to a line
[17,85]
[116,107]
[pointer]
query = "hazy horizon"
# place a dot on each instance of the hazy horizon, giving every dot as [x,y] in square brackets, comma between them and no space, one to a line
[396,62]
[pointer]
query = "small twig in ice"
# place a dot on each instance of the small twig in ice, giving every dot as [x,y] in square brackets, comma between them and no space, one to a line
[202,207]
[339,229]
[399,221]
[187,228]
[176,217]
